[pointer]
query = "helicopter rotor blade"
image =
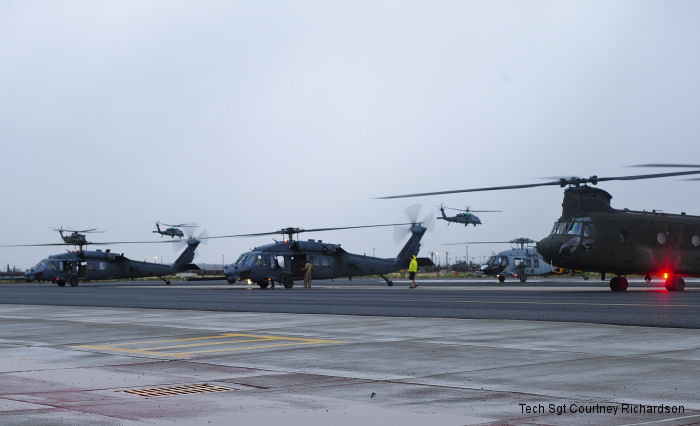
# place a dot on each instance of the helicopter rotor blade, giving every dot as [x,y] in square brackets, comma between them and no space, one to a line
[573,181]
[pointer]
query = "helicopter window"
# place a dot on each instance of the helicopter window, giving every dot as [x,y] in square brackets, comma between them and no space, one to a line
[51,266]
[574,228]
[260,260]
[102,266]
[536,263]
[41,264]
[325,261]
[661,238]
[695,240]
[241,257]
[624,236]
[504,261]
[559,228]
[588,230]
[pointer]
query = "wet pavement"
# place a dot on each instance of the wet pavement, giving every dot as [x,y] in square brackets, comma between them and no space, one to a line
[87,365]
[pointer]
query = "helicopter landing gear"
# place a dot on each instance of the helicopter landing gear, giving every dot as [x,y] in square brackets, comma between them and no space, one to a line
[647,278]
[618,283]
[167,282]
[262,284]
[501,278]
[73,282]
[675,283]
[61,283]
[388,281]
[288,283]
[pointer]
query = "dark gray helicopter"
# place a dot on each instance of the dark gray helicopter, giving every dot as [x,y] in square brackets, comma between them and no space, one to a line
[466,216]
[283,261]
[172,231]
[591,236]
[76,238]
[83,265]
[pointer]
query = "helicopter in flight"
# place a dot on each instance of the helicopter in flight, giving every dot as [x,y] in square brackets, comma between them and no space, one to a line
[591,236]
[518,262]
[84,265]
[76,238]
[465,216]
[283,261]
[172,231]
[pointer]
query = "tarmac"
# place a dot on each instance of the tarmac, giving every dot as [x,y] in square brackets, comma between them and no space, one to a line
[120,366]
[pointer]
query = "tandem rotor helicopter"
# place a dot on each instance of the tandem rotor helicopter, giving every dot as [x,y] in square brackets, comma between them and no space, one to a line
[86,265]
[282,261]
[591,236]
[465,216]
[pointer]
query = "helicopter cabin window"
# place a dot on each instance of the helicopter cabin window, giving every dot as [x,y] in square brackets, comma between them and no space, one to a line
[559,228]
[536,263]
[695,240]
[325,261]
[261,260]
[314,260]
[279,262]
[102,266]
[588,230]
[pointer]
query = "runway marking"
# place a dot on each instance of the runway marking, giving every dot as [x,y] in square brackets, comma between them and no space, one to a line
[233,345]
[178,390]
[496,302]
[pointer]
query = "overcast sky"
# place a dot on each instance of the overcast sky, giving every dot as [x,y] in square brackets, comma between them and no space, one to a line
[253,116]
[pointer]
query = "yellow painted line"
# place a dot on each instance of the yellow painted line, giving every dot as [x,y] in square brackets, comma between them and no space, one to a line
[156,351]
[247,348]
[207,344]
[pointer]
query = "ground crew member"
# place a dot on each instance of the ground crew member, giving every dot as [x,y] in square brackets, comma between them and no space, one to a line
[308,267]
[412,269]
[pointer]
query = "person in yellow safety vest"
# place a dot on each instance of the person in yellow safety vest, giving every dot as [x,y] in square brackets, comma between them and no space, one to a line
[308,267]
[412,269]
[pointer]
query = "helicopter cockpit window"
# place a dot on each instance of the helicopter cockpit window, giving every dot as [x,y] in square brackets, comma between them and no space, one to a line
[241,257]
[41,264]
[574,228]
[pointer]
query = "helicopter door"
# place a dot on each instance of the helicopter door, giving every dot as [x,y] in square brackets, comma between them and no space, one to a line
[82,269]
[298,263]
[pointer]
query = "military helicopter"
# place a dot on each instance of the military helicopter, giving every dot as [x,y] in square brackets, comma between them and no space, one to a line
[83,265]
[465,216]
[76,238]
[283,261]
[592,236]
[516,262]
[172,231]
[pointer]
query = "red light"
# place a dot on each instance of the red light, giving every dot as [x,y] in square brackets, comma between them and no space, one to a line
[665,275]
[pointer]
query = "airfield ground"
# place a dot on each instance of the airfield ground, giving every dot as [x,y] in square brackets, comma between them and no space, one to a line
[64,364]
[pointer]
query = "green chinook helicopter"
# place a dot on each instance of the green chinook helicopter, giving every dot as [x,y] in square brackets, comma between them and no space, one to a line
[592,236]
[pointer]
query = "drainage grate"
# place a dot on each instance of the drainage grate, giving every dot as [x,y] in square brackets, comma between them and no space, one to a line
[178,390]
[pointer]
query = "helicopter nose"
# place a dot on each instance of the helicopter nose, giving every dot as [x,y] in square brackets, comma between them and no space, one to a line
[547,248]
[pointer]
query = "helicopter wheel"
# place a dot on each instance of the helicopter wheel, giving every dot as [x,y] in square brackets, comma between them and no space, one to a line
[618,284]
[501,278]
[263,284]
[647,278]
[73,282]
[390,283]
[674,283]
[288,283]
[167,282]
[61,283]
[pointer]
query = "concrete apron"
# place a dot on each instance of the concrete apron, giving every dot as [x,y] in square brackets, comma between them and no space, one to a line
[75,365]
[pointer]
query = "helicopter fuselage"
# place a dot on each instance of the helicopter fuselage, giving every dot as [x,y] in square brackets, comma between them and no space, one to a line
[284,261]
[592,236]
[83,265]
